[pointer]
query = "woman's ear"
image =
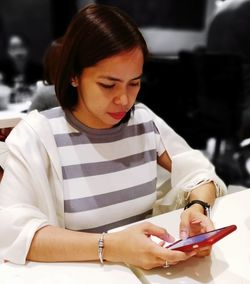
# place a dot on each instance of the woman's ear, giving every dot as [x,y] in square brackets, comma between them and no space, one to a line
[74,81]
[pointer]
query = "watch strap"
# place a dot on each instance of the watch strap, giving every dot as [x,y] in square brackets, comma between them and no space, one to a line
[205,206]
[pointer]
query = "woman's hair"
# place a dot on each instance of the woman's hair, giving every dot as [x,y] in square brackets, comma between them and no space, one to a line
[51,59]
[96,32]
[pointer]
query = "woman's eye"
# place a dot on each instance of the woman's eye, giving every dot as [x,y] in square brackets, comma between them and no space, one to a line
[135,84]
[107,86]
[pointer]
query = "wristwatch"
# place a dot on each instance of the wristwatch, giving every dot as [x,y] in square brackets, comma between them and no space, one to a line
[205,205]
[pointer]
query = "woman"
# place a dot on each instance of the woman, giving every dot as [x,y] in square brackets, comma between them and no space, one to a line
[79,170]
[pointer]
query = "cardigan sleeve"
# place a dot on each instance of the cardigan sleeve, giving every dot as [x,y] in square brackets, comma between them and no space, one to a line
[190,168]
[26,203]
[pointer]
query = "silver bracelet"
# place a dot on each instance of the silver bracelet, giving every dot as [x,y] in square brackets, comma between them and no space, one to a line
[101,247]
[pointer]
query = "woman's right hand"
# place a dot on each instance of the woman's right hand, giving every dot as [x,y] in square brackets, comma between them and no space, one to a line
[134,246]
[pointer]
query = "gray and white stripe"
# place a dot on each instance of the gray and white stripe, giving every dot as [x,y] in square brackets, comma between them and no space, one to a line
[109,175]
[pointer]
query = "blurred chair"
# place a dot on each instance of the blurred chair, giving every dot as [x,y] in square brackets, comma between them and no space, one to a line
[220,102]
[200,95]
[166,90]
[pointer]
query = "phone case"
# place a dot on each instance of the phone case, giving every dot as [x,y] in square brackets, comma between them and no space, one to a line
[201,240]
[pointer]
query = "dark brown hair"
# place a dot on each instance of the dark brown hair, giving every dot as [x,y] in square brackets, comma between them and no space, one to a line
[50,61]
[96,32]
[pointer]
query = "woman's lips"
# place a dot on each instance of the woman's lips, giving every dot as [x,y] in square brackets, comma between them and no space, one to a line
[117,115]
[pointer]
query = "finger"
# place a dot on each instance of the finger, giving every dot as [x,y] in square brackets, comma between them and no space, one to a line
[200,223]
[167,264]
[204,251]
[173,263]
[188,255]
[184,258]
[207,223]
[159,232]
[173,256]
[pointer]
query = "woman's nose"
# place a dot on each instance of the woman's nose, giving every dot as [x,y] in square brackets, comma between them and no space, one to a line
[122,99]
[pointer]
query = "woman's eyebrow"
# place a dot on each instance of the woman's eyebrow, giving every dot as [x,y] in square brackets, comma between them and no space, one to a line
[137,78]
[111,78]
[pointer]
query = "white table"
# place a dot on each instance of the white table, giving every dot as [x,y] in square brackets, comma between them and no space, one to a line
[66,273]
[9,119]
[13,114]
[229,262]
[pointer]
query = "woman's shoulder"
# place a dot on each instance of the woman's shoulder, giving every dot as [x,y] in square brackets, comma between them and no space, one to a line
[34,129]
[141,107]
[44,115]
[142,111]
[39,122]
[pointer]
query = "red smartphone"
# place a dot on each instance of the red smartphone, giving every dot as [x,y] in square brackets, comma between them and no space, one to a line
[202,240]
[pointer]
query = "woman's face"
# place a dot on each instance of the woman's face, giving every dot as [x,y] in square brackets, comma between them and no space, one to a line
[107,90]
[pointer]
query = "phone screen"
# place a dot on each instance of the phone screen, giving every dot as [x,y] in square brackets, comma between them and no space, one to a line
[204,239]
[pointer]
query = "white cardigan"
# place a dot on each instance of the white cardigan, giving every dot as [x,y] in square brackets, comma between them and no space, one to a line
[31,193]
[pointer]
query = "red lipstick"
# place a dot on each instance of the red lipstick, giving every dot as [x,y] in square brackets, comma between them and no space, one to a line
[117,115]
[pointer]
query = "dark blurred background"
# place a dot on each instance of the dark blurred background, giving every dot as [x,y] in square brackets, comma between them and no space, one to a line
[40,21]
[200,92]
[45,20]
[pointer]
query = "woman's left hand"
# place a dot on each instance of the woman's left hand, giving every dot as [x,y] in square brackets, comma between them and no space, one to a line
[194,222]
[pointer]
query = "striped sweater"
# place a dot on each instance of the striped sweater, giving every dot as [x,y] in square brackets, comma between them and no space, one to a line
[109,175]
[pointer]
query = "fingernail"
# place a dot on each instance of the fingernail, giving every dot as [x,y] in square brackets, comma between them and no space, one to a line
[169,238]
[196,221]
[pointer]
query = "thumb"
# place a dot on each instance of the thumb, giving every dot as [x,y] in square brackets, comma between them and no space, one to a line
[184,225]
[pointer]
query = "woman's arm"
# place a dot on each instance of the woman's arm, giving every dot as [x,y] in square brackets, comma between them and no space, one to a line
[165,161]
[193,219]
[206,192]
[132,246]
[52,244]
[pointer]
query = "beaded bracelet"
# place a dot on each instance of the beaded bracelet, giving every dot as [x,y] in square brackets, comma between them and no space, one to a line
[101,247]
